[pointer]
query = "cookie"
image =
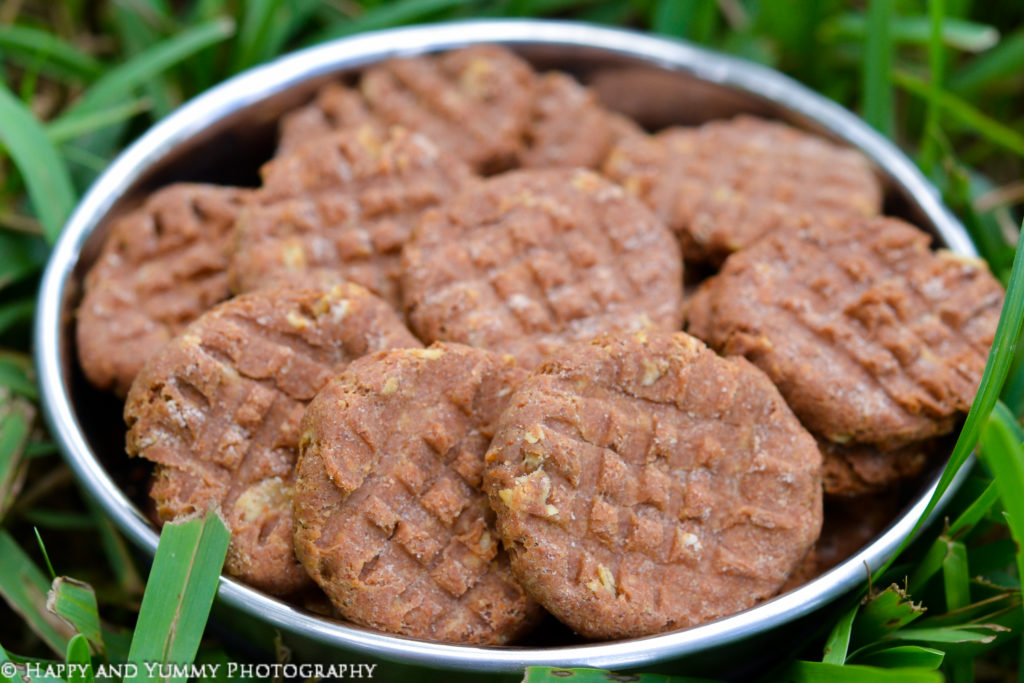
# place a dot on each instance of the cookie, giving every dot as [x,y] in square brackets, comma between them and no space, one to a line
[643,484]
[390,520]
[341,209]
[570,127]
[335,107]
[474,103]
[870,336]
[724,185]
[532,259]
[161,266]
[860,469]
[219,409]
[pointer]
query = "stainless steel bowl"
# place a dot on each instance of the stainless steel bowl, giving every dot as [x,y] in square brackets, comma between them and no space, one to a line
[224,134]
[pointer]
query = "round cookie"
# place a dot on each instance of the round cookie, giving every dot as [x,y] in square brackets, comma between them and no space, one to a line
[723,185]
[643,484]
[341,208]
[335,107]
[570,127]
[219,408]
[389,517]
[870,336]
[529,260]
[161,266]
[860,469]
[474,102]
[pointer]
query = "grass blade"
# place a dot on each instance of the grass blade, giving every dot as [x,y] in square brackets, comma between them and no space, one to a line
[936,58]
[182,584]
[1003,61]
[878,67]
[968,36]
[33,44]
[120,82]
[24,588]
[63,131]
[15,313]
[998,364]
[955,577]
[965,113]
[75,602]
[136,34]
[389,14]
[1003,453]
[838,643]
[258,18]
[14,677]
[21,255]
[883,614]
[44,172]
[901,656]
[14,376]
[16,416]
[819,672]
[79,661]
[961,633]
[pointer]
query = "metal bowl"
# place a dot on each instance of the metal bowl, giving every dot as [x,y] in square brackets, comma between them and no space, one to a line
[226,133]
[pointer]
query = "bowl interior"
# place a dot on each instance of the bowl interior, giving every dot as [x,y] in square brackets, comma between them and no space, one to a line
[656,82]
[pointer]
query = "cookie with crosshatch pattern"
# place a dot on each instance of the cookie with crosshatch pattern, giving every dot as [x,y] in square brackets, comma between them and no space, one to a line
[218,410]
[390,521]
[161,266]
[871,336]
[340,208]
[529,260]
[725,184]
[643,484]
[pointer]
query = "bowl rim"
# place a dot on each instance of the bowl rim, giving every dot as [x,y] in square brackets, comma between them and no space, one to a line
[290,70]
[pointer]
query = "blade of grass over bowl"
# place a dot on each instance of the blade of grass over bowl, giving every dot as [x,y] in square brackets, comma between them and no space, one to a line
[24,588]
[119,83]
[996,367]
[179,594]
[41,167]
[878,67]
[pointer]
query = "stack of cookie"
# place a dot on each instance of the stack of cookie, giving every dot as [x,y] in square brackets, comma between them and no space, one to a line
[434,365]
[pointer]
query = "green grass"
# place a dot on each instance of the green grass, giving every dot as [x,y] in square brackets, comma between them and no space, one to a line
[943,78]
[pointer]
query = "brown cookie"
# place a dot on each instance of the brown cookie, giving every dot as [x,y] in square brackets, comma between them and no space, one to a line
[389,517]
[529,260]
[474,103]
[643,484]
[870,336]
[724,185]
[570,127]
[336,107]
[341,208]
[859,469]
[219,408]
[161,266]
